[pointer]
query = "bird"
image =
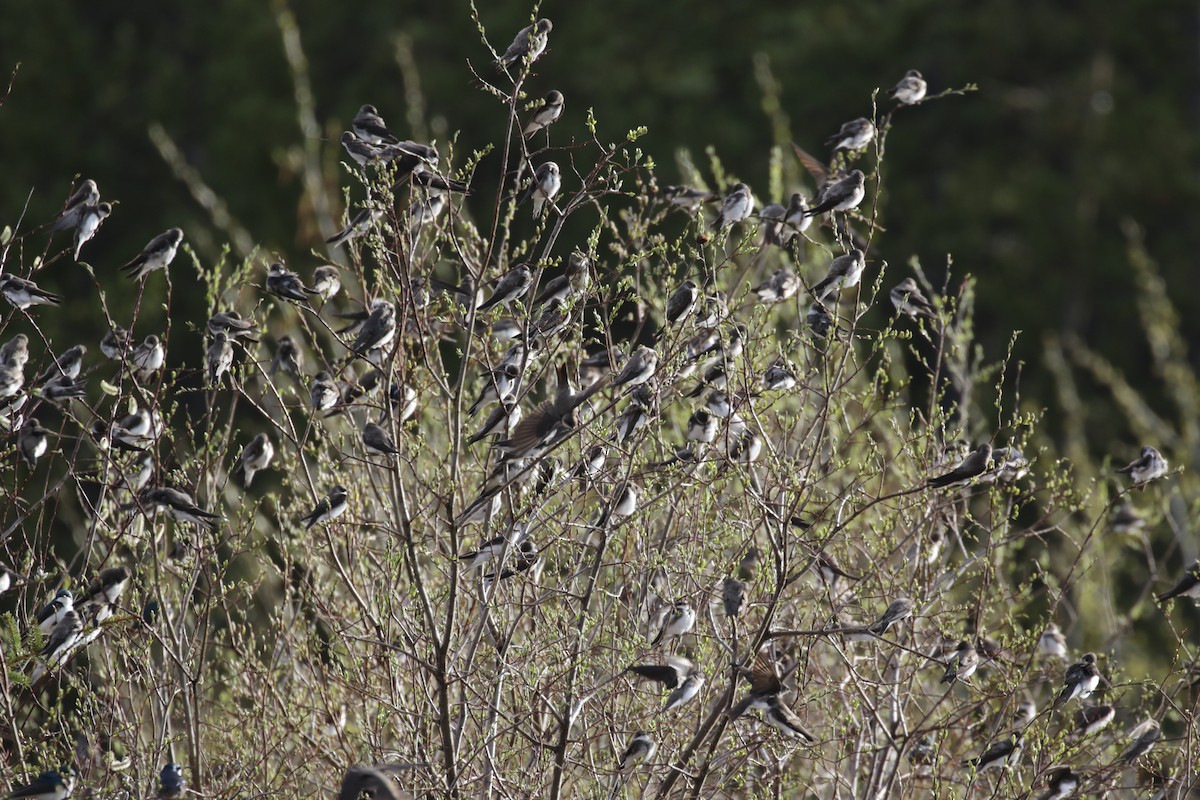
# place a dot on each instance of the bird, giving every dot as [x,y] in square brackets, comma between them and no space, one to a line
[546,182]
[257,456]
[671,674]
[1000,754]
[1090,720]
[158,253]
[795,220]
[975,464]
[53,612]
[819,319]
[898,610]
[512,286]
[323,394]
[702,426]
[16,350]
[779,377]
[529,43]
[373,781]
[908,299]
[500,384]
[1052,642]
[370,127]
[115,343]
[779,286]
[61,388]
[12,378]
[910,90]
[962,664]
[685,691]
[505,416]
[733,595]
[32,442]
[1187,586]
[640,748]
[1144,736]
[22,293]
[61,642]
[149,356]
[1061,783]
[640,368]
[1080,681]
[546,114]
[50,785]
[362,221]
[829,572]
[737,207]
[687,197]
[378,330]
[494,549]
[232,323]
[845,272]
[677,621]
[363,152]
[783,719]
[326,281]
[170,781]
[377,440]
[6,579]
[682,302]
[287,359]
[626,502]
[91,217]
[853,135]
[573,282]
[1126,519]
[102,594]
[843,194]
[1148,466]
[329,508]
[219,357]
[635,415]
[285,284]
[86,194]
[179,505]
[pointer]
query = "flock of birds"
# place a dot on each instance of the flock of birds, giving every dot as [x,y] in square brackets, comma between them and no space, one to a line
[523,439]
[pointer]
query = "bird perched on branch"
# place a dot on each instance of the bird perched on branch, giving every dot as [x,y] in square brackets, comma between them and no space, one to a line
[529,43]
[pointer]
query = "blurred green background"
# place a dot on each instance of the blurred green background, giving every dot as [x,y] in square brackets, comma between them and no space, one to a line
[1085,116]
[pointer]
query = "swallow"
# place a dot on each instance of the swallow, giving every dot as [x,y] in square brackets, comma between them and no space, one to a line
[1000,754]
[323,394]
[795,219]
[596,366]
[574,281]
[680,619]
[819,319]
[363,220]
[1144,737]
[377,440]
[115,343]
[688,198]
[363,152]
[718,403]
[843,194]
[494,549]
[1025,714]
[922,756]
[1061,782]
[287,359]
[330,507]
[546,182]
[12,379]
[744,444]
[779,286]
[158,253]
[102,594]
[779,377]
[975,464]
[326,281]
[50,785]
[53,612]
[22,293]
[1148,466]
[910,90]
[783,719]
[1080,681]
[524,558]
[285,284]
[829,572]
[32,442]
[370,127]
[772,224]
[733,595]
[854,135]
[179,505]
[546,114]
[685,691]
[504,417]
[219,357]
[625,505]
[6,579]
[529,43]
[682,302]
[671,674]
[1188,585]
[374,781]
[425,211]
[232,323]
[635,416]
[908,299]
[500,384]
[15,350]
[170,782]
[592,463]
[898,610]
[551,419]
[91,217]
[640,368]
[149,356]
[845,272]
[962,664]
[86,194]
[378,330]
[737,207]
[408,157]
[1008,465]
[436,184]
[62,641]
[1052,642]
[1090,720]
[512,286]
[256,456]
[552,321]
[712,310]
[702,426]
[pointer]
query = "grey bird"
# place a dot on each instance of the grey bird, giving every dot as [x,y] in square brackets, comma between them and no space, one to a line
[60,642]
[16,350]
[898,610]
[1080,681]
[1148,466]
[1052,642]
[149,356]
[685,691]
[375,782]
[733,596]
[86,194]
[288,358]
[975,464]
[962,664]
[378,441]
[371,128]
[256,456]
[179,506]
[425,211]
[529,43]
[326,281]
[999,755]
[362,221]
[219,357]
[640,748]
[285,284]
[12,378]
[32,442]
[843,194]
[68,365]
[323,393]
[679,619]
[779,286]
[671,674]
[783,719]
[687,197]
[363,152]
[115,343]
[158,253]
[504,417]
[908,298]
[99,600]
[1144,736]
[574,281]
[232,323]
[845,272]
[682,302]
[829,572]
[500,384]
[378,330]
[1090,720]
[1061,783]
[640,368]
[23,293]
[702,426]
[90,219]
[512,286]
[737,207]
[854,135]
[910,90]
[330,507]
[1187,586]
[546,114]
[543,188]
[772,224]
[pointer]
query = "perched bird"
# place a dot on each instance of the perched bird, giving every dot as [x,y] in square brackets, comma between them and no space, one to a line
[546,114]
[779,286]
[32,442]
[115,343]
[378,330]
[179,505]
[102,594]
[685,691]
[1187,586]
[908,299]
[362,221]
[63,639]
[91,217]
[546,182]
[23,293]
[854,135]
[6,579]
[795,220]
[1090,720]
[529,43]
[573,282]
[323,394]
[1052,642]
[149,356]
[702,426]
[733,595]
[257,456]
[288,358]
[377,440]
[843,194]
[678,620]
[682,302]
[500,384]
[285,284]
[975,464]
[374,782]
[330,507]
[1148,466]
[779,377]
[1061,783]
[1000,754]
[326,281]
[54,611]
[963,664]
[1081,680]
[512,286]
[170,782]
[219,357]
[494,549]
[635,415]
[910,90]
[737,207]
[819,318]
[86,194]
[370,127]
[640,368]
[898,610]
[829,572]
[12,379]
[50,785]
[845,272]
[626,502]
[1144,736]
[158,253]
[16,350]
[783,719]
[232,323]
[363,152]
